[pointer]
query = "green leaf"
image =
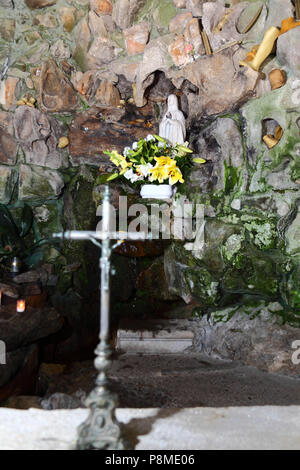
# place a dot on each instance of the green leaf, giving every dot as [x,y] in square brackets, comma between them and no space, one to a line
[160,139]
[113,177]
[199,160]
[101,179]
[26,220]
[7,224]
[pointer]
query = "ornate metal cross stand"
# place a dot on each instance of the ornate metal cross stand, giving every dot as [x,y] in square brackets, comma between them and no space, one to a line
[101,429]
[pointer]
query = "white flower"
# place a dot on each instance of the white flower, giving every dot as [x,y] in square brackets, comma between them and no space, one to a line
[150,137]
[127,151]
[134,146]
[161,145]
[144,169]
[133,177]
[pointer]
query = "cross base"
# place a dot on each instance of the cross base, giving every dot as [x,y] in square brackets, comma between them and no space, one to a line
[101,431]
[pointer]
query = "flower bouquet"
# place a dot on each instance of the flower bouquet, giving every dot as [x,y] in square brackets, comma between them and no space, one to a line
[153,160]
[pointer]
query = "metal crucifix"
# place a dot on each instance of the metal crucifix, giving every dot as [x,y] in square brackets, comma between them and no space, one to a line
[101,430]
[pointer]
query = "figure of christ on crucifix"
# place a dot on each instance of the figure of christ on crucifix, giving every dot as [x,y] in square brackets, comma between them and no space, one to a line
[101,431]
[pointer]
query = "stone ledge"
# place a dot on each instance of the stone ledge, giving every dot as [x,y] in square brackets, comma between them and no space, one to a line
[156,336]
[238,428]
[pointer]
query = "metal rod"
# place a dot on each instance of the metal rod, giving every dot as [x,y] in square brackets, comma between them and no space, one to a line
[101,430]
[226,46]
[89,235]
[105,269]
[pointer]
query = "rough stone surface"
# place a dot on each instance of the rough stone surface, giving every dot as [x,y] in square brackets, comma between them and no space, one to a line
[55,92]
[85,83]
[124,12]
[6,3]
[35,275]
[83,41]
[220,143]
[90,136]
[136,38]
[210,382]
[107,94]
[221,88]
[287,51]
[207,380]
[144,249]
[38,183]
[193,37]
[35,324]
[180,3]
[178,23]
[39,136]
[68,18]
[156,57]
[62,401]
[47,20]
[175,276]
[178,51]
[213,13]
[60,50]
[40,3]
[195,6]
[256,338]
[7,180]
[292,235]
[101,7]
[128,69]
[97,25]
[9,289]
[279,12]
[153,280]
[102,51]
[8,144]
[19,374]
[14,361]
[7,29]
[8,92]
[23,402]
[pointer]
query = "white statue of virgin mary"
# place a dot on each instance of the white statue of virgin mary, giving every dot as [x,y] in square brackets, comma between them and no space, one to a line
[172,127]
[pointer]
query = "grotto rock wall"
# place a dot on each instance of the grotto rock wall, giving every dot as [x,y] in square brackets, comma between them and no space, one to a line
[87,75]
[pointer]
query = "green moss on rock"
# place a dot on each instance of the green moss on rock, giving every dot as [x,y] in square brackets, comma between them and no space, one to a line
[202,286]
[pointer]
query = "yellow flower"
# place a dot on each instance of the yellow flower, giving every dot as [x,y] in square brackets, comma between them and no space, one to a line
[175,175]
[119,160]
[159,173]
[165,161]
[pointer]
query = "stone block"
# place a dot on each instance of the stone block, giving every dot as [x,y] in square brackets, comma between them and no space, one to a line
[7,180]
[36,183]
[155,337]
